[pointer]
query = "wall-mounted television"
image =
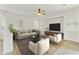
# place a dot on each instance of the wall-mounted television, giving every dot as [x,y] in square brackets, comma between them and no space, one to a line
[54,27]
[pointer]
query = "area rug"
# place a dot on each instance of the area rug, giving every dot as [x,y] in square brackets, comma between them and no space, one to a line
[24,50]
[23,46]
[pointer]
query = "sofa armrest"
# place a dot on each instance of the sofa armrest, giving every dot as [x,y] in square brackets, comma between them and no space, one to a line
[43,46]
[33,47]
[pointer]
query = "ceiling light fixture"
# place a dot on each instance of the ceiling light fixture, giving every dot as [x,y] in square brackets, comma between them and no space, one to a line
[41,12]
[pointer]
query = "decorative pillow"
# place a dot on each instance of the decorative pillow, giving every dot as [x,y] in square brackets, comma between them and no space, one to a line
[18,32]
[23,31]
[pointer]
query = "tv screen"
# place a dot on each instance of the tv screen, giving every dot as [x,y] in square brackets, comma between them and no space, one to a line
[54,27]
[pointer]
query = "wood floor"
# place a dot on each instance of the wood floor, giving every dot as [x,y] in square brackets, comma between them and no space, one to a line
[16,50]
[54,47]
[1,47]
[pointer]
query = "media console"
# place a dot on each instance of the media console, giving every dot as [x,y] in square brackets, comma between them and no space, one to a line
[47,33]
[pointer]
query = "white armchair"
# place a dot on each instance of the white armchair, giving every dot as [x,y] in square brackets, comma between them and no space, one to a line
[56,38]
[40,47]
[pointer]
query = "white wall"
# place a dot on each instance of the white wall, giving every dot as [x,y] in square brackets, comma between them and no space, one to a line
[0,27]
[7,42]
[71,23]
[6,36]
[16,19]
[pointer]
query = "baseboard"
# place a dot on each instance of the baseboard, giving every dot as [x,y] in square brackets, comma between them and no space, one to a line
[9,53]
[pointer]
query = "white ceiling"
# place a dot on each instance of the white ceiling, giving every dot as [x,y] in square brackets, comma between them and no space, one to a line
[30,9]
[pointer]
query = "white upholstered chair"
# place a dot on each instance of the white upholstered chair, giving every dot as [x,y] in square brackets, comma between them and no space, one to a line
[56,38]
[40,47]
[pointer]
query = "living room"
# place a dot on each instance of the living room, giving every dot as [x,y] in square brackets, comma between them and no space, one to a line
[24,17]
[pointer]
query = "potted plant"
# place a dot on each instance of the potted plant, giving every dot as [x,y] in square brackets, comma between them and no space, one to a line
[12,30]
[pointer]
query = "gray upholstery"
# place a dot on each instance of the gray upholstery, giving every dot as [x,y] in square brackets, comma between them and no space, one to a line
[22,35]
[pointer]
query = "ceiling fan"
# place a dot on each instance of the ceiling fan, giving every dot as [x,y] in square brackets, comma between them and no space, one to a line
[41,12]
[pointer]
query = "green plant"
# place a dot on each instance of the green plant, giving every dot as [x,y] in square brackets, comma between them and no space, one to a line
[12,28]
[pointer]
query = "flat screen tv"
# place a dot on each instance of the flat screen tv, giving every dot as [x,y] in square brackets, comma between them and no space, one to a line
[54,27]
